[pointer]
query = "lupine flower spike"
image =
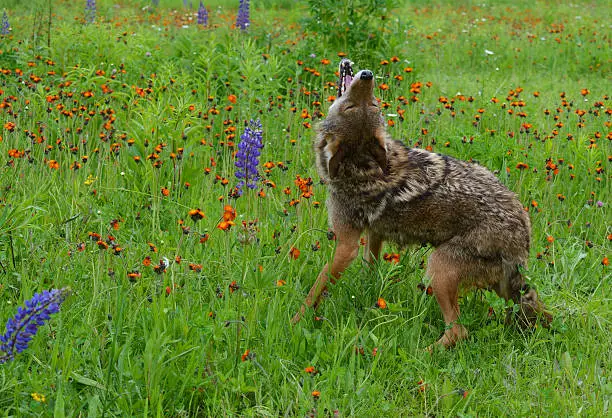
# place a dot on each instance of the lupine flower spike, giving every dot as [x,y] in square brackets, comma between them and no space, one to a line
[247,157]
[23,326]
[5,26]
[202,15]
[90,11]
[243,18]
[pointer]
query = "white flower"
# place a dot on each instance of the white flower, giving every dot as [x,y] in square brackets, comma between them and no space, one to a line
[489,52]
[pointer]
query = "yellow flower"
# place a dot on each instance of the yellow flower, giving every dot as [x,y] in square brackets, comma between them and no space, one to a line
[38,397]
[90,180]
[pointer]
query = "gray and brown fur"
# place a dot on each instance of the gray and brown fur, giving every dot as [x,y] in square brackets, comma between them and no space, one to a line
[377,185]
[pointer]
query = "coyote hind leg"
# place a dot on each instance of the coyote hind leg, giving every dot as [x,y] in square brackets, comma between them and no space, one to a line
[374,245]
[445,273]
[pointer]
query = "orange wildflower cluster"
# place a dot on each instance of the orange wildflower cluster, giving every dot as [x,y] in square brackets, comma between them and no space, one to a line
[229,214]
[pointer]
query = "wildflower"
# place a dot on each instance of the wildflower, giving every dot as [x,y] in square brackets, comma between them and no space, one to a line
[522,166]
[202,15]
[294,253]
[381,303]
[310,370]
[316,394]
[38,397]
[196,214]
[90,11]
[422,385]
[247,157]
[243,18]
[134,275]
[5,27]
[22,327]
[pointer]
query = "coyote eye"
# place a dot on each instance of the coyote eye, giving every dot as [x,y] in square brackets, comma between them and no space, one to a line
[349,107]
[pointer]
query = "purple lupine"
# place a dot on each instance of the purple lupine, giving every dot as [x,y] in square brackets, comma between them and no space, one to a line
[22,327]
[5,26]
[202,15]
[243,19]
[247,157]
[90,11]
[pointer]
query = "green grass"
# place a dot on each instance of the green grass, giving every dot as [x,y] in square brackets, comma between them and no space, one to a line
[172,344]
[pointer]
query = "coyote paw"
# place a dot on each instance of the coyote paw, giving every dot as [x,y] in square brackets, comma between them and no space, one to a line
[450,337]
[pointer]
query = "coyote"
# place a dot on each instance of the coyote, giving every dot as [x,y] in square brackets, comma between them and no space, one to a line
[377,185]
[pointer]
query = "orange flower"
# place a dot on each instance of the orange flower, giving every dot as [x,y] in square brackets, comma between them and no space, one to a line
[294,253]
[232,98]
[246,355]
[196,214]
[310,370]
[165,191]
[381,303]
[225,225]
[53,164]
[605,262]
[195,267]
[94,236]
[316,394]
[550,239]
[229,213]
[522,166]
[422,385]
[392,258]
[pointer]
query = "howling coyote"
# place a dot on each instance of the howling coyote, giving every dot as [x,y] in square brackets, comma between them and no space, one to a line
[377,185]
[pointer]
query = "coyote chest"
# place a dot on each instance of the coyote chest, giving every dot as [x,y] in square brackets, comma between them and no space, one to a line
[368,200]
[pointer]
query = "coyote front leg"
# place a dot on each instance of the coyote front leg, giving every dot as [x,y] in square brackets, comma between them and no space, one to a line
[346,250]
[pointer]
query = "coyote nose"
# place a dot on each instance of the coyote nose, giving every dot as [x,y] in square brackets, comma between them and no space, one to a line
[366,75]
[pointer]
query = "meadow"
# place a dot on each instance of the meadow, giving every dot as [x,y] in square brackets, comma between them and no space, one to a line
[118,142]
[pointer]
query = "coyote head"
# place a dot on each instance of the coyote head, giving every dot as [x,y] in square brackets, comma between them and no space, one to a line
[354,125]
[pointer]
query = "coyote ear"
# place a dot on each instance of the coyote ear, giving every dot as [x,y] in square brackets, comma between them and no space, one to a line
[335,155]
[379,151]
